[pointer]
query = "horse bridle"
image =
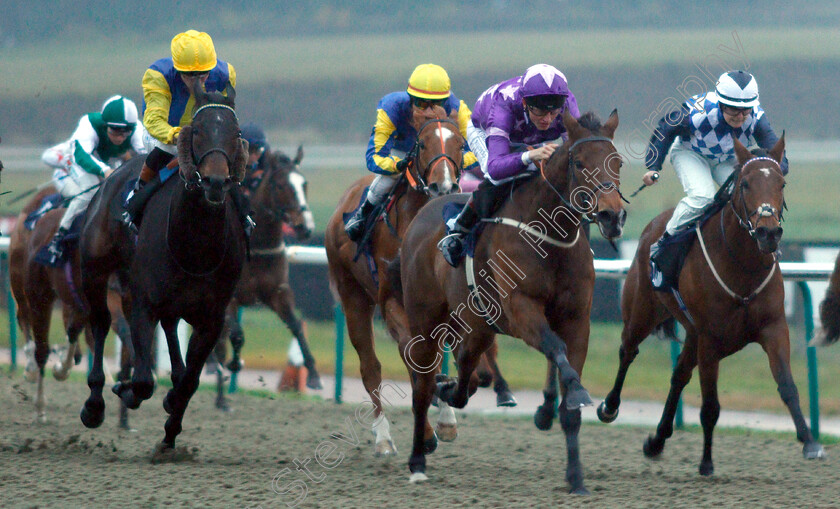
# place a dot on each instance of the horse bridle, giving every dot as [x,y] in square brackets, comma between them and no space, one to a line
[416,181]
[763,210]
[602,187]
[282,211]
[197,182]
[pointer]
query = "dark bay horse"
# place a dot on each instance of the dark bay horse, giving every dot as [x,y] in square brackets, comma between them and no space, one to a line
[733,294]
[537,279]
[36,287]
[434,170]
[280,198]
[185,263]
[830,310]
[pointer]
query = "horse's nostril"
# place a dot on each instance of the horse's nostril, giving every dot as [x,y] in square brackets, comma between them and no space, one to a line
[606,216]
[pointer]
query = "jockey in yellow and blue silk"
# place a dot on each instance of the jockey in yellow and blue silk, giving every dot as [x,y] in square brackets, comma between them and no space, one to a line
[168,104]
[428,96]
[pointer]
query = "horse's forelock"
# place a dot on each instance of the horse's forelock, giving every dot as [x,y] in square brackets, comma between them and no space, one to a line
[590,121]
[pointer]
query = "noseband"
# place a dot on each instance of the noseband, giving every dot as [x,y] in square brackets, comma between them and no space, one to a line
[763,210]
[417,182]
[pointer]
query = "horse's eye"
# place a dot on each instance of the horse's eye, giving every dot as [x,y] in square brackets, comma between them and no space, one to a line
[578,165]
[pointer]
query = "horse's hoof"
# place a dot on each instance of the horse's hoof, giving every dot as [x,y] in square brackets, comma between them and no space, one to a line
[430,444]
[417,477]
[604,415]
[580,490]
[445,391]
[446,432]
[92,415]
[125,426]
[60,374]
[651,448]
[313,381]
[544,417]
[385,448]
[506,399]
[577,397]
[223,405]
[813,451]
[706,468]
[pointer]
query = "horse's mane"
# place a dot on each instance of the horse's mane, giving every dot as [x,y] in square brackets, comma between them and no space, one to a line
[218,98]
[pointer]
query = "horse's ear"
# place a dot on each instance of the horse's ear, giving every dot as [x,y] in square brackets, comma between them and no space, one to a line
[741,152]
[185,161]
[240,161]
[299,155]
[611,124]
[571,124]
[201,96]
[230,92]
[778,150]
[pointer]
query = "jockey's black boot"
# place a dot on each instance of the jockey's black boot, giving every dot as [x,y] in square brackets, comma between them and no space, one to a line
[355,227]
[55,247]
[243,208]
[452,246]
[137,202]
[657,246]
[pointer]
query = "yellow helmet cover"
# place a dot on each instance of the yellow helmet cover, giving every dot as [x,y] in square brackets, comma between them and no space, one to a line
[429,81]
[193,51]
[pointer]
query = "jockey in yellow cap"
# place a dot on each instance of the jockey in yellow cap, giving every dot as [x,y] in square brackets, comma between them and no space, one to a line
[168,106]
[428,96]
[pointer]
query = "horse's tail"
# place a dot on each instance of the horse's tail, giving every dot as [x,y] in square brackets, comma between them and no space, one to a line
[830,318]
[667,330]
[394,277]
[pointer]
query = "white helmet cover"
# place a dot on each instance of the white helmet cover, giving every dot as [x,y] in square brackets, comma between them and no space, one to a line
[737,89]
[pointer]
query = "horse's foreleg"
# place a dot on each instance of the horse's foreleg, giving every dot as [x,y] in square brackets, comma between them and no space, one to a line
[202,342]
[142,338]
[710,408]
[283,303]
[233,329]
[776,344]
[654,444]
[93,412]
[570,422]
[608,409]
[67,355]
[40,330]
[504,397]
[545,414]
[423,390]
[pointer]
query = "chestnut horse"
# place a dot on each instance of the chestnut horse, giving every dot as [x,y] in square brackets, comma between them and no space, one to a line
[184,264]
[280,198]
[830,310]
[35,287]
[733,295]
[536,281]
[436,161]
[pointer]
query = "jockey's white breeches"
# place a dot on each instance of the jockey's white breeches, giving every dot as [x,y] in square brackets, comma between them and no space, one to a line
[700,179]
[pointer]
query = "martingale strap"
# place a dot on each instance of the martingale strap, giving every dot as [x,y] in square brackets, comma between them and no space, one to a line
[533,232]
[469,268]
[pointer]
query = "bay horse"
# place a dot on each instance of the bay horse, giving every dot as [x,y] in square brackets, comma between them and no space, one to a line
[537,281]
[361,283]
[35,288]
[830,310]
[733,295]
[184,263]
[279,199]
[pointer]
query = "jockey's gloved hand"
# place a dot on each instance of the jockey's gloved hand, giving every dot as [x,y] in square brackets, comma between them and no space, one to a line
[402,165]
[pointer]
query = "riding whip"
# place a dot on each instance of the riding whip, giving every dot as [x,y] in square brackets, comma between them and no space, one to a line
[653,177]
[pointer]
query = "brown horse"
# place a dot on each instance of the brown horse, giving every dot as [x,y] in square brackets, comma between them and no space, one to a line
[830,310]
[537,279]
[436,162]
[35,288]
[733,295]
[280,198]
[184,264]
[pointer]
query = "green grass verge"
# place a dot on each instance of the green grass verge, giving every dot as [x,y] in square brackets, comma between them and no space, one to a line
[745,380]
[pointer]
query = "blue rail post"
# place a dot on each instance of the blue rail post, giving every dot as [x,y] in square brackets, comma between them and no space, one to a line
[675,355]
[811,354]
[233,385]
[444,364]
[10,305]
[339,351]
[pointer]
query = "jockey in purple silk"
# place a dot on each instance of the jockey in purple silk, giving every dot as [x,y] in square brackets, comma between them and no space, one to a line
[525,111]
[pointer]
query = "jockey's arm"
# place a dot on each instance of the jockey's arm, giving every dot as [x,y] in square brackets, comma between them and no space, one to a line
[378,156]
[158,99]
[675,123]
[83,142]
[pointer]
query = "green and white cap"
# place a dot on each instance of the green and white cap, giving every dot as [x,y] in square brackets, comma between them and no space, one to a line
[119,111]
